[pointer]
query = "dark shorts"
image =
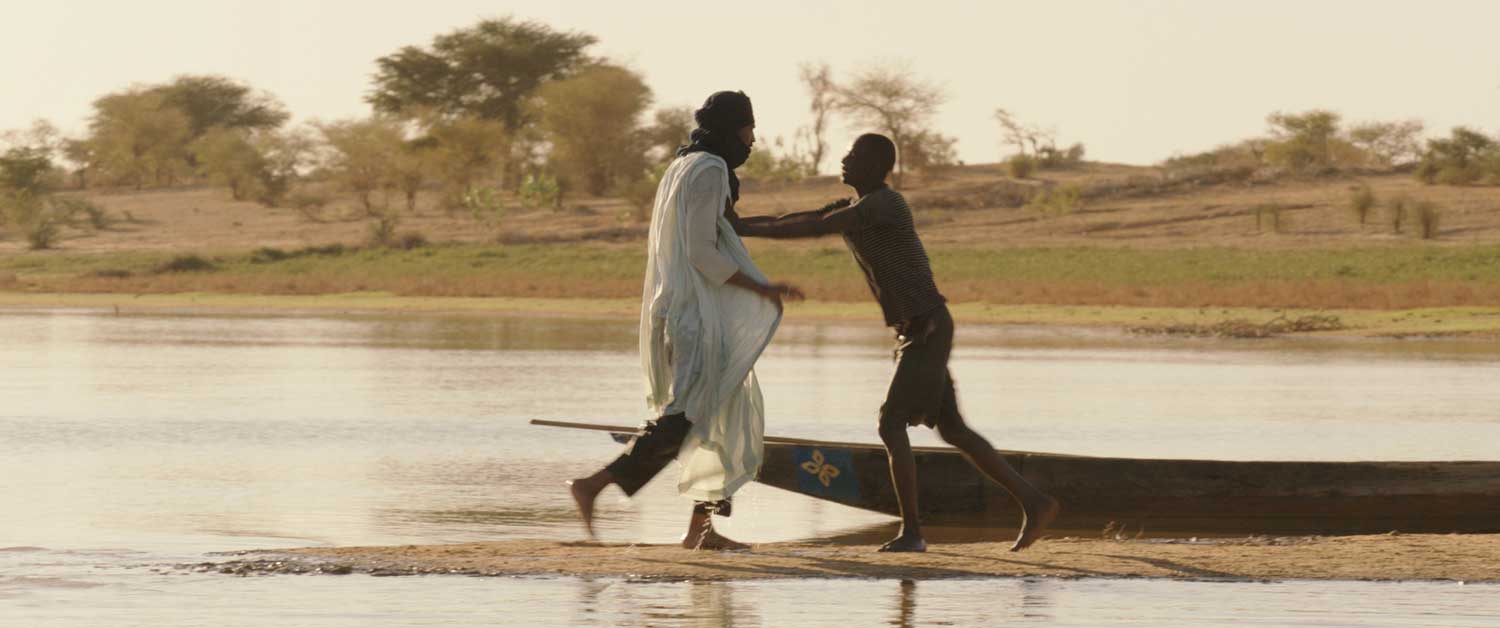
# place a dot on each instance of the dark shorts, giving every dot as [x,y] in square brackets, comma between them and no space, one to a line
[921,391]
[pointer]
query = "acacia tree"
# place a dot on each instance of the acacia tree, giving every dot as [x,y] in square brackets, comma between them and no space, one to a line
[1020,134]
[592,122]
[219,102]
[669,129]
[84,157]
[1389,143]
[463,152]
[1303,140]
[360,158]
[822,95]
[139,137]
[892,100]
[227,156]
[485,71]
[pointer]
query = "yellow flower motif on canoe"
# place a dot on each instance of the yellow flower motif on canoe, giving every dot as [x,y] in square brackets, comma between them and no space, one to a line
[819,466]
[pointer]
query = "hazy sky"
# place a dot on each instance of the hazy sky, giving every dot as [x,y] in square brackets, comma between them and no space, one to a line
[1136,81]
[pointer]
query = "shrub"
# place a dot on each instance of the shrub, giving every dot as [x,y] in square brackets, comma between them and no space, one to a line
[185,264]
[383,227]
[97,218]
[765,166]
[641,192]
[1021,166]
[411,240]
[1057,201]
[1396,212]
[538,191]
[1269,215]
[266,255]
[309,203]
[38,217]
[1049,157]
[42,234]
[484,204]
[1459,159]
[1428,217]
[1361,201]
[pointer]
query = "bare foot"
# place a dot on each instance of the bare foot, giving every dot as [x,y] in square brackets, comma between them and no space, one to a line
[584,492]
[711,540]
[906,542]
[1033,527]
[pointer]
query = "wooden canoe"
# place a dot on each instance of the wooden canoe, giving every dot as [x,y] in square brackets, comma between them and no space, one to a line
[1157,496]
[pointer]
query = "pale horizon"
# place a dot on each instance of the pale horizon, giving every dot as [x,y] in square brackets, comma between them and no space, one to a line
[1135,82]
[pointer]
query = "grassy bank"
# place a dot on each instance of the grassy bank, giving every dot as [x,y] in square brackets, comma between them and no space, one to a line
[1383,277]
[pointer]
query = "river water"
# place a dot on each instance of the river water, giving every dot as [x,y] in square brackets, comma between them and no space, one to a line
[131,442]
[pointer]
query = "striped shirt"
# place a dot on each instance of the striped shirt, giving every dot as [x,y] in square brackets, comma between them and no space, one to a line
[882,236]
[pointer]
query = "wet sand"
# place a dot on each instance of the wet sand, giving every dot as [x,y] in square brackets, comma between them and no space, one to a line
[1466,558]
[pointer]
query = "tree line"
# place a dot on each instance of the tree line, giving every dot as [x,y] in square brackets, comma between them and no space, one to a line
[504,107]
[510,111]
[1318,141]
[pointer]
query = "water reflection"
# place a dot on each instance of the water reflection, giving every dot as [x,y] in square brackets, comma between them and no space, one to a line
[906,605]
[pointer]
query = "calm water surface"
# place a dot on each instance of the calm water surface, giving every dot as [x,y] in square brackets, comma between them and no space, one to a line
[130,442]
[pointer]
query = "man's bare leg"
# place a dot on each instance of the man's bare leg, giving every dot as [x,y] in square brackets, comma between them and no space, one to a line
[904,478]
[702,536]
[1038,509]
[585,491]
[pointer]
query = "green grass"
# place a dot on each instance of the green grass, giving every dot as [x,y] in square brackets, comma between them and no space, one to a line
[612,271]
[1221,266]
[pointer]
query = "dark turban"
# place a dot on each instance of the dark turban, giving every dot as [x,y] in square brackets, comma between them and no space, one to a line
[719,122]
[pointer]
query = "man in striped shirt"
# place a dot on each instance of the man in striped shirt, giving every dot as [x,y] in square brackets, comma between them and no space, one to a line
[879,230]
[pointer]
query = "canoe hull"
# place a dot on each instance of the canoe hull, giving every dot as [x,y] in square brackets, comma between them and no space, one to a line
[1151,496]
[1164,496]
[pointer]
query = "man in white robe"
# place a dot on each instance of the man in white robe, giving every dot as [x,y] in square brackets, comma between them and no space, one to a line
[707,313]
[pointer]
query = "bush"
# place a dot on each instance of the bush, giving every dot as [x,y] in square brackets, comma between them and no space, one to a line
[641,192]
[1361,202]
[1269,215]
[185,264]
[38,217]
[765,166]
[539,191]
[383,228]
[411,240]
[1057,201]
[267,255]
[1456,174]
[1020,166]
[1049,157]
[1460,159]
[309,203]
[1396,212]
[71,207]
[1428,217]
[485,205]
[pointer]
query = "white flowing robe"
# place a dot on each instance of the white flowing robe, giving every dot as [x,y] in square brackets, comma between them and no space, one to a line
[700,339]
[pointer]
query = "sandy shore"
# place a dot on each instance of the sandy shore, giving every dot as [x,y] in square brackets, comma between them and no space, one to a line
[1466,558]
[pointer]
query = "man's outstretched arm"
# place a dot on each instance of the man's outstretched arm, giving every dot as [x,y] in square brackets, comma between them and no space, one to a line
[835,217]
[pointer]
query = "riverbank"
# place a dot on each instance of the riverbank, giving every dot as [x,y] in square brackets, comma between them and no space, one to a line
[1478,322]
[1385,277]
[1389,557]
